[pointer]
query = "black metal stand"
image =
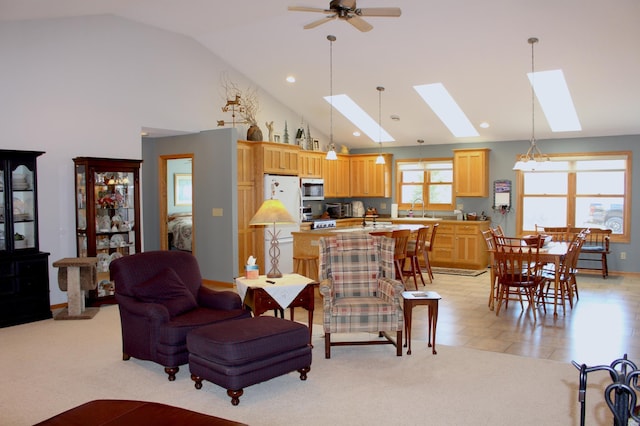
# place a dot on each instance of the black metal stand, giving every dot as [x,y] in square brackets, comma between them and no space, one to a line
[620,396]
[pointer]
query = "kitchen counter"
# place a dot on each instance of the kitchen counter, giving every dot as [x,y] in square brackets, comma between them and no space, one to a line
[459,244]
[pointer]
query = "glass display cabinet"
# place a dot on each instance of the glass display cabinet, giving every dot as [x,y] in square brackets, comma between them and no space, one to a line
[24,269]
[107,216]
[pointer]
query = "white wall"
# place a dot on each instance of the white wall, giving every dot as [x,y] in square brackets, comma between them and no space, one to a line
[85,87]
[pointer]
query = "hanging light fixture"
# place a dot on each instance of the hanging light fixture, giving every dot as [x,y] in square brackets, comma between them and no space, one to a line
[380,159]
[534,159]
[331,154]
[421,164]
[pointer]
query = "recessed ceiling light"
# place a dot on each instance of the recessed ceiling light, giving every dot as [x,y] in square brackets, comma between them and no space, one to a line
[485,125]
[291,79]
[356,133]
[446,108]
[359,118]
[395,117]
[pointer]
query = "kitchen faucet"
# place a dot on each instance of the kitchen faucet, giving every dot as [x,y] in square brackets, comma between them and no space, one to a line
[413,203]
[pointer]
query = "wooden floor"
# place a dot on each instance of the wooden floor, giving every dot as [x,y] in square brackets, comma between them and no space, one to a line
[603,325]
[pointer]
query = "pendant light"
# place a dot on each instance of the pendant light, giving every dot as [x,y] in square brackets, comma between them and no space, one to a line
[421,164]
[331,154]
[380,159]
[534,159]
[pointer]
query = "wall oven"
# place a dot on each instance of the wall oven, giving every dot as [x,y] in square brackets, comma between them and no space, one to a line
[312,189]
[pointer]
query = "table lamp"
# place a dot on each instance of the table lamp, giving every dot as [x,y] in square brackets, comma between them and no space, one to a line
[272,212]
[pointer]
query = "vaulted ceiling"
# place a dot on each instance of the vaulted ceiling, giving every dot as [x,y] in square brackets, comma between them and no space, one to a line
[478,50]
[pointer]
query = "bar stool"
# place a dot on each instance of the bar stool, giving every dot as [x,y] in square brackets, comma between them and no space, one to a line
[401,237]
[306,265]
[414,249]
[428,247]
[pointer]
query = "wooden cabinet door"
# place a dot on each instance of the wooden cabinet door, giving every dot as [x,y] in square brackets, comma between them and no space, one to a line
[310,164]
[280,159]
[342,176]
[471,172]
[369,179]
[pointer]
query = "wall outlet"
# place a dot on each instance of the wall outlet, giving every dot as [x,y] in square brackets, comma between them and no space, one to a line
[383,206]
[460,207]
[216,212]
[623,255]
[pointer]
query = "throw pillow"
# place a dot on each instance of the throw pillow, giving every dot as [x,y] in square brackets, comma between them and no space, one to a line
[166,288]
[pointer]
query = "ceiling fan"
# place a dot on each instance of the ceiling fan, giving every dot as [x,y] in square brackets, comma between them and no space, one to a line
[347,10]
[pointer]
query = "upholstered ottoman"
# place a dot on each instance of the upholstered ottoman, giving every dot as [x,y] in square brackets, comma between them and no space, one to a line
[241,353]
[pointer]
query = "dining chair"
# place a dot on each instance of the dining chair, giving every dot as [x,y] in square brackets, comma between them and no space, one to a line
[381,233]
[401,239]
[518,272]
[415,248]
[489,240]
[567,283]
[429,248]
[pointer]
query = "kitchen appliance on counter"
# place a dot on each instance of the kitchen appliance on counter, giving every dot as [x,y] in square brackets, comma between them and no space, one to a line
[312,189]
[338,210]
[306,214]
[357,209]
[323,224]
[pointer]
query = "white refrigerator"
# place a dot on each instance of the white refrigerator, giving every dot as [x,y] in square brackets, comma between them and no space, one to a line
[287,190]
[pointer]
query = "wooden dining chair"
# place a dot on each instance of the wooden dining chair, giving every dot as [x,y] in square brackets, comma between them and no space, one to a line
[518,272]
[415,248]
[428,248]
[401,238]
[490,242]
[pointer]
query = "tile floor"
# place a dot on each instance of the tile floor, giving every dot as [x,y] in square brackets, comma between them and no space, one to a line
[603,325]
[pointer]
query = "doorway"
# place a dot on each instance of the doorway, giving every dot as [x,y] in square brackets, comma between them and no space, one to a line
[176,190]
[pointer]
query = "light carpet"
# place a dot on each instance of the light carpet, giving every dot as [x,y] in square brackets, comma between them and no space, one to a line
[50,366]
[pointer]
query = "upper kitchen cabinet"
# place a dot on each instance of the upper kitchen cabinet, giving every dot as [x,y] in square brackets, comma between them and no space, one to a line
[24,269]
[336,177]
[471,172]
[369,179]
[310,164]
[277,158]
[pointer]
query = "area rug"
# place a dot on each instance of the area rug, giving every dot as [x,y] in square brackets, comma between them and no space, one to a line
[457,271]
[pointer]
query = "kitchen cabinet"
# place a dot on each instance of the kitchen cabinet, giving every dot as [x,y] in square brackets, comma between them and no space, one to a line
[368,179]
[471,172]
[247,235]
[24,269]
[107,216]
[278,158]
[310,164]
[336,177]
[459,244]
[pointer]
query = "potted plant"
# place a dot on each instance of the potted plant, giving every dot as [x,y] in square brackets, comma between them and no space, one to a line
[19,240]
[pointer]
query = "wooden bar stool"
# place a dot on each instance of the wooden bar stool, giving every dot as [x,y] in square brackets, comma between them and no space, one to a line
[306,265]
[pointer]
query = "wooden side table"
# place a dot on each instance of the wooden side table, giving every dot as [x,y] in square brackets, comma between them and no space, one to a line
[291,291]
[415,298]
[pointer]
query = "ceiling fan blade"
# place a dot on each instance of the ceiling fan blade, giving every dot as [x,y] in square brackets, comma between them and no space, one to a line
[359,23]
[392,12]
[308,9]
[320,22]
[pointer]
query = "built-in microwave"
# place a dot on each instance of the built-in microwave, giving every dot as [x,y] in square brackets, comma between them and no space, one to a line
[312,189]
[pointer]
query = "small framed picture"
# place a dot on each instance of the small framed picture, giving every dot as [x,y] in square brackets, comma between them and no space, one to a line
[316,145]
[276,137]
[182,189]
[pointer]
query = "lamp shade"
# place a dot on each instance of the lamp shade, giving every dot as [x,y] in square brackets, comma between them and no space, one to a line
[271,212]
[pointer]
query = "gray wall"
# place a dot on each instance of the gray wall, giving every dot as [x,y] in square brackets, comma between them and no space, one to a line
[214,186]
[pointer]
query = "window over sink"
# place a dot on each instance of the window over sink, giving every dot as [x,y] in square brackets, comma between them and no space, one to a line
[425,183]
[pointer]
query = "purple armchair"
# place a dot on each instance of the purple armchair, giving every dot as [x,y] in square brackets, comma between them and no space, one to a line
[161,299]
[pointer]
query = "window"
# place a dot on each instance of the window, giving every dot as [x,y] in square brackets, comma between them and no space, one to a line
[425,183]
[578,190]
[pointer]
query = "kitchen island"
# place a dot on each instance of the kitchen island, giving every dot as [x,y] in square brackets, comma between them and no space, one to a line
[458,244]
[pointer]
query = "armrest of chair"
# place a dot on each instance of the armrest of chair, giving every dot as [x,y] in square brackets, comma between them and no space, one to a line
[390,290]
[326,290]
[225,300]
[156,312]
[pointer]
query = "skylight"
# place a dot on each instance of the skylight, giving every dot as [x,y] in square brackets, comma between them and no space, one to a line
[555,100]
[447,110]
[359,118]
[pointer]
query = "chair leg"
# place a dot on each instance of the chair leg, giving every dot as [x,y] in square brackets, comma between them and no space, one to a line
[171,371]
[327,345]
[417,271]
[399,343]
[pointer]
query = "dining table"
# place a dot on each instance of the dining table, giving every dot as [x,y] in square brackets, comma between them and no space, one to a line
[553,253]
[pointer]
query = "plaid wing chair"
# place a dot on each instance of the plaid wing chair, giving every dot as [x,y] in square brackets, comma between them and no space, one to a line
[360,294]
